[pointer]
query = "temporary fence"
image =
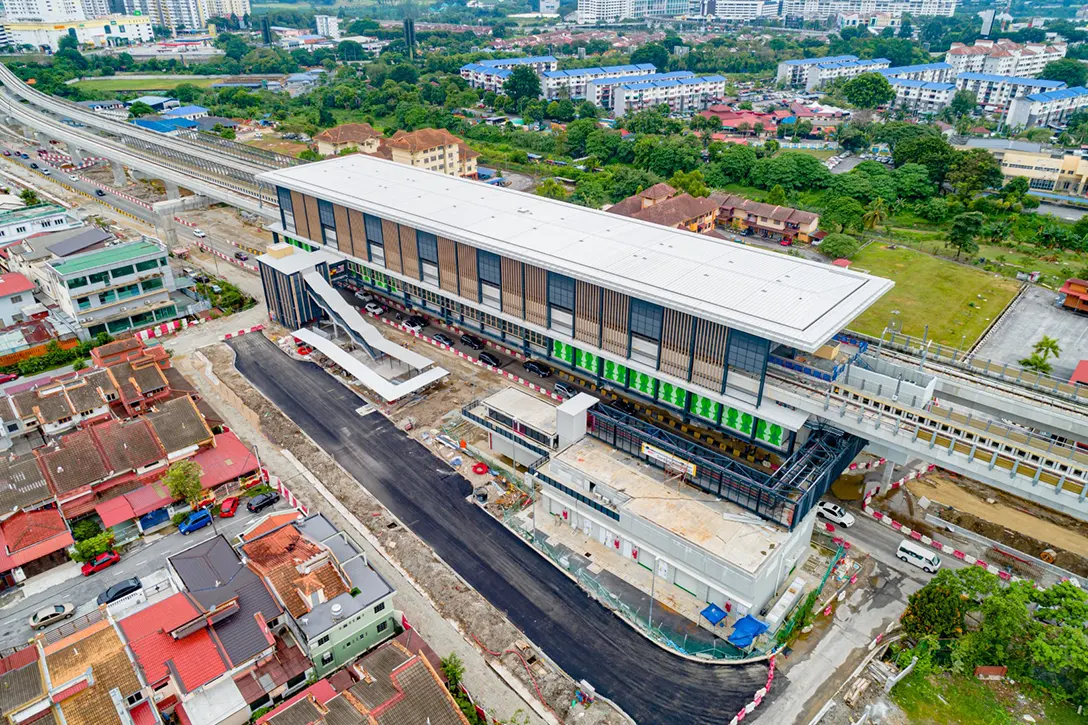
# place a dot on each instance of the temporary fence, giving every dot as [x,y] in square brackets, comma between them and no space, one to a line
[799,614]
[255,328]
[166,328]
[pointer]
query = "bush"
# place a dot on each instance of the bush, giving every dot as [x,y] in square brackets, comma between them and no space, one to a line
[86,529]
[839,246]
[179,517]
[90,548]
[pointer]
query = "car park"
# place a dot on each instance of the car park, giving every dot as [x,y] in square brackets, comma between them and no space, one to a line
[118,590]
[51,615]
[229,507]
[98,563]
[196,520]
[488,359]
[374,308]
[564,390]
[442,338]
[262,501]
[471,341]
[537,368]
[198,233]
[835,514]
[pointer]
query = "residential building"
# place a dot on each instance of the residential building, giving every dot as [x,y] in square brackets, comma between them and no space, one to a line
[108,32]
[44,11]
[1076,295]
[22,223]
[548,7]
[159,104]
[1043,109]
[228,8]
[875,23]
[339,606]
[189,113]
[797,72]
[123,287]
[995,92]
[829,70]
[33,542]
[662,204]
[922,97]
[434,149]
[328,26]
[489,75]
[1003,57]
[24,694]
[110,109]
[173,14]
[681,95]
[610,11]
[348,136]
[556,84]
[30,256]
[824,9]
[766,220]
[739,11]
[929,72]
[16,293]
[600,90]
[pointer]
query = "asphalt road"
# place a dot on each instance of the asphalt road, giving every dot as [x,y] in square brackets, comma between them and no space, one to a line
[585,639]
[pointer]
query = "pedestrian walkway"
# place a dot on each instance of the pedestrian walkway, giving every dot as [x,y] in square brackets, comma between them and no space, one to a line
[675,611]
[52,578]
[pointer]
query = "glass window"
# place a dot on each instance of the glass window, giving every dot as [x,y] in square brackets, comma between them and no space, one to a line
[646,319]
[490,267]
[373,229]
[153,284]
[380,607]
[747,352]
[325,213]
[118,325]
[77,282]
[284,196]
[561,291]
[147,265]
[84,303]
[107,297]
[166,313]
[428,246]
[382,625]
[324,639]
[326,659]
[99,278]
[122,271]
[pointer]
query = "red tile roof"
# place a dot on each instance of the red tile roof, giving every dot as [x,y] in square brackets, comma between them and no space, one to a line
[114,511]
[30,535]
[194,659]
[150,497]
[142,715]
[227,460]
[13,283]
[18,659]
[1080,375]
[271,522]
[71,690]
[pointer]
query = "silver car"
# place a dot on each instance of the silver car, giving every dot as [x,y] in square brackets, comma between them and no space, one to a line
[50,615]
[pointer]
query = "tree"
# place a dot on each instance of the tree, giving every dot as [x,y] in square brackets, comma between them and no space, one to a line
[29,197]
[349,50]
[868,90]
[139,109]
[577,134]
[777,196]
[1067,70]
[912,182]
[522,83]
[1047,346]
[627,181]
[973,171]
[590,192]
[586,109]
[963,103]
[654,53]
[187,92]
[67,42]
[965,227]
[933,152]
[183,481]
[551,189]
[85,529]
[453,669]
[88,549]
[876,214]
[839,246]
[844,213]
[733,166]
[936,609]
[1036,363]
[998,230]
[691,182]
[667,155]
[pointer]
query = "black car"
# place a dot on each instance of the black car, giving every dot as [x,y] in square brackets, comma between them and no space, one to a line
[419,320]
[625,406]
[99,192]
[472,341]
[442,338]
[537,368]
[33,166]
[488,359]
[262,501]
[120,589]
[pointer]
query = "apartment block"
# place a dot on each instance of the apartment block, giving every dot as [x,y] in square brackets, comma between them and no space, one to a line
[922,97]
[610,11]
[797,72]
[107,32]
[572,83]
[828,71]
[1003,57]
[738,11]
[328,26]
[929,72]
[1049,107]
[600,91]
[489,75]
[824,9]
[679,94]
[995,92]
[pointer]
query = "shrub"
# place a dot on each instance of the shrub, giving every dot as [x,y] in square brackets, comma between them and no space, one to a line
[86,529]
[839,246]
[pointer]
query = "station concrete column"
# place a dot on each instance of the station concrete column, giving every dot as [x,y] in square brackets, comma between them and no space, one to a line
[172,190]
[118,173]
[75,153]
[166,228]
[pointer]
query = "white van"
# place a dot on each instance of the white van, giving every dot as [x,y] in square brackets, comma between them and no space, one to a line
[922,557]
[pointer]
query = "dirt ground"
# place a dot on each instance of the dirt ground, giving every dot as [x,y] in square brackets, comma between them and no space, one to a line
[287,148]
[456,601]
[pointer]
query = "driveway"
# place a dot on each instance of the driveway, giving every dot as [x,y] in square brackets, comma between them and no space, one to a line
[582,637]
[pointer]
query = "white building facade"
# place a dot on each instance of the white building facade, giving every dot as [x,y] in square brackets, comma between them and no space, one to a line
[572,83]
[922,97]
[173,14]
[21,223]
[741,10]
[823,9]
[610,11]
[796,72]
[995,92]
[112,31]
[679,94]
[1003,57]
[489,75]
[328,26]
[600,91]
[929,72]
[828,71]
[1041,109]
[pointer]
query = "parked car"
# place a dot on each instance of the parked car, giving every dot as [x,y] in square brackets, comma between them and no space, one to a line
[102,561]
[198,233]
[625,406]
[921,556]
[537,368]
[364,297]
[120,589]
[488,359]
[229,507]
[24,156]
[374,308]
[200,278]
[564,390]
[8,377]
[835,514]
[46,172]
[197,520]
[73,177]
[412,326]
[241,256]
[51,615]
[99,192]
[442,338]
[7,153]
[419,320]
[262,501]
[472,341]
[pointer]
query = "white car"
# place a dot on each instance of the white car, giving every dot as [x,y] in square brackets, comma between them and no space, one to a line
[73,177]
[46,172]
[411,326]
[374,308]
[835,514]
[199,233]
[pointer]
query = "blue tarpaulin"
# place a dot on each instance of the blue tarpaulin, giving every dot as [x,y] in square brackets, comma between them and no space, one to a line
[746,630]
[714,614]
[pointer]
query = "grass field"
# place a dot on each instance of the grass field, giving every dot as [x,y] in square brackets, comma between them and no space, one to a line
[116,84]
[821,154]
[954,300]
[941,699]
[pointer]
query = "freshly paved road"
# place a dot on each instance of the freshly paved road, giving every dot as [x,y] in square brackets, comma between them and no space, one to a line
[585,639]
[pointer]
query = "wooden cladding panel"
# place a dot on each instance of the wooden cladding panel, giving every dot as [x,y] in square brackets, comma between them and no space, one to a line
[391,240]
[708,368]
[298,204]
[536,295]
[358,234]
[587,313]
[466,267]
[511,288]
[676,343]
[343,229]
[614,319]
[447,264]
[313,220]
[409,252]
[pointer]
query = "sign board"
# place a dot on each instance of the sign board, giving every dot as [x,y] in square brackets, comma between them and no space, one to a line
[662,568]
[668,460]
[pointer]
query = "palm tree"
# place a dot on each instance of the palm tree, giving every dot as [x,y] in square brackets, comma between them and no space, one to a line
[998,231]
[1047,346]
[877,213]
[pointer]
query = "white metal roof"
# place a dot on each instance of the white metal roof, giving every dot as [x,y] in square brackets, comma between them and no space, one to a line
[786,299]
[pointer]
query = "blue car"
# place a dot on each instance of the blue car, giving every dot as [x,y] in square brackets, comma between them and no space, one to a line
[196,520]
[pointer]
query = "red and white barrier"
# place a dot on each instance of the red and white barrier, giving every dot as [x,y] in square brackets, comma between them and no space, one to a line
[181,221]
[166,328]
[288,496]
[868,465]
[121,194]
[255,328]
[205,248]
[757,699]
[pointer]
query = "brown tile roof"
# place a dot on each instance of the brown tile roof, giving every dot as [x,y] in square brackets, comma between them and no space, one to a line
[348,133]
[423,139]
[135,380]
[466,152]
[768,211]
[46,408]
[99,648]
[677,210]
[178,424]
[628,207]
[75,461]
[22,483]
[128,445]
[658,192]
[279,557]
[86,395]
[403,689]
[118,346]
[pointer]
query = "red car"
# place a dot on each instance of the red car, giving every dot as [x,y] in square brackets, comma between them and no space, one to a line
[8,377]
[229,507]
[100,562]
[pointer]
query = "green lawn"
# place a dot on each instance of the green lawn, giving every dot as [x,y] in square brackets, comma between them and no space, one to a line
[953,299]
[116,84]
[821,154]
[942,699]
